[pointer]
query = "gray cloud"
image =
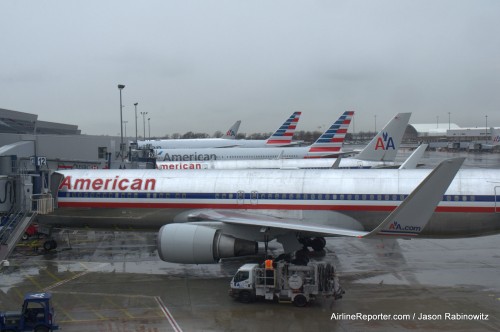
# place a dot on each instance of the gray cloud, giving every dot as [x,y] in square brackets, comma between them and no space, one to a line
[201,65]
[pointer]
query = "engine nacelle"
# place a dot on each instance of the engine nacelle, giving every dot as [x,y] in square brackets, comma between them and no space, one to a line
[194,244]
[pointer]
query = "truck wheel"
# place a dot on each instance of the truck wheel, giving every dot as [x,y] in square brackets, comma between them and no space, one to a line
[245,297]
[300,300]
[49,245]
[25,236]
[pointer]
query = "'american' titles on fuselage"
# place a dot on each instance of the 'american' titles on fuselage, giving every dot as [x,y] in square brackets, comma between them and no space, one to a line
[362,194]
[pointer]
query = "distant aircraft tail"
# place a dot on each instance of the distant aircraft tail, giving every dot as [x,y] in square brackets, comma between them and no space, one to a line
[384,146]
[330,143]
[233,131]
[284,134]
[495,136]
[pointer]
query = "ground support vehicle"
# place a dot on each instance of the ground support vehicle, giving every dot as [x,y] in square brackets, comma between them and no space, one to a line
[285,282]
[37,314]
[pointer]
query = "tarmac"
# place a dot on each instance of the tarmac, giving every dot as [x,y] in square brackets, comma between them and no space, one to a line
[114,281]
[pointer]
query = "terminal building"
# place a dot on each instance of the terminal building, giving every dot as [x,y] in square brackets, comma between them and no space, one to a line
[451,136]
[30,149]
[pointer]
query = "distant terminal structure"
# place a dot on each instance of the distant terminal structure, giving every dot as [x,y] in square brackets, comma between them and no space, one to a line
[450,136]
[57,145]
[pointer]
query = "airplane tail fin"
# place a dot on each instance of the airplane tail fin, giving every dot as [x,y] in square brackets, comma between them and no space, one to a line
[495,136]
[330,143]
[284,134]
[413,214]
[384,146]
[231,133]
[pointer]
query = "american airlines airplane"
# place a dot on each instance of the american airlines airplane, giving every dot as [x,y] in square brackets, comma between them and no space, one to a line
[376,154]
[203,216]
[316,163]
[327,145]
[281,137]
[224,141]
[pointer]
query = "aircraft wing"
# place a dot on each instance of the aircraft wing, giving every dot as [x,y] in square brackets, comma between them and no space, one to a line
[406,221]
[258,220]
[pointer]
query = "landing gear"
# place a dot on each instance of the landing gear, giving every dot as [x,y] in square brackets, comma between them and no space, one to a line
[50,245]
[316,243]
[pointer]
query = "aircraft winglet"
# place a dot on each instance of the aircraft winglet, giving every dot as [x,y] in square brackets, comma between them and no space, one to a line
[412,161]
[411,216]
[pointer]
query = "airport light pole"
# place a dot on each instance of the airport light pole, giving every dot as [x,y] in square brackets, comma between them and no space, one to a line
[125,126]
[149,129]
[449,120]
[375,124]
[120,87]
[136,122]
[486,127]
[144,123]
[437,121]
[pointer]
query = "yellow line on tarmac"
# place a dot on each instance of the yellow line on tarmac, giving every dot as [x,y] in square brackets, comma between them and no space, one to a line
[117,307]
[36,283]
[53,276]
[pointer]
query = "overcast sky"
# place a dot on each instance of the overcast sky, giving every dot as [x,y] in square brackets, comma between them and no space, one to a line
[201,65]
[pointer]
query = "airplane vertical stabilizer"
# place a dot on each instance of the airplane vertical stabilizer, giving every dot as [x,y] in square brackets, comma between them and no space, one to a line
[332,140]
[495,136]
[384,146]
[233,131]
[284,134]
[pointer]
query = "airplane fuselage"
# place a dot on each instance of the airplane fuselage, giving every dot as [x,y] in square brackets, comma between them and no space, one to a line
[148,199]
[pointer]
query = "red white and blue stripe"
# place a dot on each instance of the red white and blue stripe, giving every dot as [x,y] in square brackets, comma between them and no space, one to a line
[285,133]
[332,139]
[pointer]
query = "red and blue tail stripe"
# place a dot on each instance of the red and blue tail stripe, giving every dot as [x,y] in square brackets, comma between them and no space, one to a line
[331,141]
[285,133]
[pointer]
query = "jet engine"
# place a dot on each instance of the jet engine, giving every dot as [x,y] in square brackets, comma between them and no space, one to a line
[194,244]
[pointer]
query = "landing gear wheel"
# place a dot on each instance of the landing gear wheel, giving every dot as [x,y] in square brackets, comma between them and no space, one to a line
[245,297]
[300,300]
[301,257]
[49,245]
[318,243]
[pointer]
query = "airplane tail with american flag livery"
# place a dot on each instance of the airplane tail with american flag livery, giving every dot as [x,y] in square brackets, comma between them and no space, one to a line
[330,143]
[283,136]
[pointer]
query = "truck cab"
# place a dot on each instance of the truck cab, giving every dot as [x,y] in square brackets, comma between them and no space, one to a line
[37,314]
[285,282]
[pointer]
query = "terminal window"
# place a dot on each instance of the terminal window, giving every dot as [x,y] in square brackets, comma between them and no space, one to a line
[102,151]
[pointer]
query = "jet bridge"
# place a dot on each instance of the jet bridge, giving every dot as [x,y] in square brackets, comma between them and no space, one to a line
[19,205]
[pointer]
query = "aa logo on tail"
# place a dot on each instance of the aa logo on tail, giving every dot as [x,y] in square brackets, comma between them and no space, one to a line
[385,142]
[230,133]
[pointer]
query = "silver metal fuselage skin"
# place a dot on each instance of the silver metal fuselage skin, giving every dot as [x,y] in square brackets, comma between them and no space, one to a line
[355,199]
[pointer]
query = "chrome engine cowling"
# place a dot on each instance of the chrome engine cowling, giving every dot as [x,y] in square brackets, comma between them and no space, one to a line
[195,244]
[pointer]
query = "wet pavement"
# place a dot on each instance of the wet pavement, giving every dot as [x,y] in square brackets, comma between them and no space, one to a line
[114,281]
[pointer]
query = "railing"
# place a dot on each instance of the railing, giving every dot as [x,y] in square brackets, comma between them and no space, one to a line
[43,203]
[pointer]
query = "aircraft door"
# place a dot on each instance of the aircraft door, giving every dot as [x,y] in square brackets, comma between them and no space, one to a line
[497,199]
[240,196]
[254,197]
